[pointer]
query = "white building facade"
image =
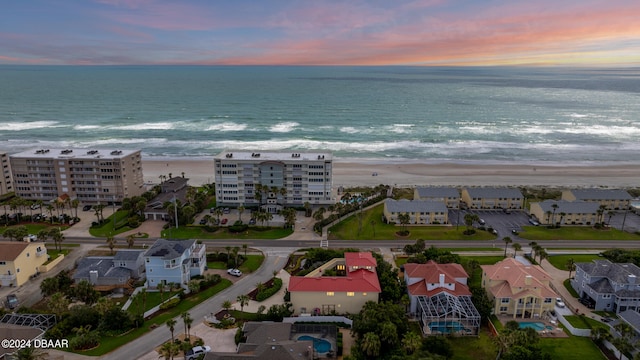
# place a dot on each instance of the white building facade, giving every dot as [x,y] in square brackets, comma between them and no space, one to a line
[272,179]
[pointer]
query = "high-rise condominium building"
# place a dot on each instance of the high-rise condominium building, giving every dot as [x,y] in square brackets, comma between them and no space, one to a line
[273,179]
[6,181]
[91,176]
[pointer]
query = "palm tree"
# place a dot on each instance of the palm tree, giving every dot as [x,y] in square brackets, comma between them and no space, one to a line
[373,227]
[610,215]
[228,248]
[411,342]
[571,266]
[371,345]
[507,240]
[131,240]
[160,287]
[243,300]
[31,353]
[168,350]
[240,211]
[404,219]
[555,207]
[57,237]
[516,247]
[187,320]
[111,242]
[171,324]
[244,247]
[469,219]
[549,217]
[227,305]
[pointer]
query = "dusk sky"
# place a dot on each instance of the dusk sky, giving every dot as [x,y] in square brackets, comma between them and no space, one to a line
[341,32]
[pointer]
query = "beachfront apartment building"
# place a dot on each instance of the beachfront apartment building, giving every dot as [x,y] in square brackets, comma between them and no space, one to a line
[608,286]
[91,176]
[440,298]
[272,179]
[356,283]
[611,199]
[517,289]
[6,180]
[492,198]
[421,212]
[564,212]
[174,261]
[450,196]
[20,260]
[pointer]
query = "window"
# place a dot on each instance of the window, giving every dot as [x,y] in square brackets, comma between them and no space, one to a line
[330,293]
[364,294]
[505,300]
[547,300]
[503,309]
[351,293]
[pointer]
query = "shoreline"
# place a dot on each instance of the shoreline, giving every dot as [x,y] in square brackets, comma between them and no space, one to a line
[409,173]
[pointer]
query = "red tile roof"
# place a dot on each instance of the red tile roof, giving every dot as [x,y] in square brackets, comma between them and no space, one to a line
[360,259]
[357,281]
[10,250]
[420,289]
[429,273]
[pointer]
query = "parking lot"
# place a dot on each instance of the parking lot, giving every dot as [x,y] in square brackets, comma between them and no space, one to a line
[497,219]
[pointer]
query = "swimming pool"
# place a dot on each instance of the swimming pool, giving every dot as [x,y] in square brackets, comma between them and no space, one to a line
[535,325]
[320,345]
[446,327]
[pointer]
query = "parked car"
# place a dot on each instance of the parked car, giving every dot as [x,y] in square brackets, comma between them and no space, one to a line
[224,221]
[226,210]
[234,272]
[494,231]
[533,222]
[212,210]
[252,221]
[481,222]
[86,208]
[203,221]
[559,303]
[12,301]
[35,206]
[196,351]
[514,232]
[32,237]
[507,210]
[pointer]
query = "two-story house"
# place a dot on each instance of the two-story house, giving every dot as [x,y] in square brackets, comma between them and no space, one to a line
[611,199]
[608,286]
[518,290]
[318,294]
[440,298]
[19,261]
[421,212]
[111,272]
[565,212]
[450,196]
[492,198]
[174,261]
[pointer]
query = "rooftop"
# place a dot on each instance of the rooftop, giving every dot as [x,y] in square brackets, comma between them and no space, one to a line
[438,191]
[168,249]
[9,250]
[75,153]
[570,207]
[274,155]
[616,272]
[494,192]
[404,205]
[601,194]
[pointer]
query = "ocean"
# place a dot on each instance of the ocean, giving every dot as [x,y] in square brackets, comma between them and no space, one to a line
[444,114]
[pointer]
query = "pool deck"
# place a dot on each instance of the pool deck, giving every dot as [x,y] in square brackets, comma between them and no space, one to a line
[557,331]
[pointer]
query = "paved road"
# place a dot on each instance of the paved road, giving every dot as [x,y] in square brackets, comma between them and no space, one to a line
[275,259]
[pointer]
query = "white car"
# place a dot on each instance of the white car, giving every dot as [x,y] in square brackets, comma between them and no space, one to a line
[197,351]
[234,272]
[559,303]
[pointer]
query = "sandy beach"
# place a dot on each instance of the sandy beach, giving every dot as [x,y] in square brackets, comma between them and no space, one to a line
[414,173]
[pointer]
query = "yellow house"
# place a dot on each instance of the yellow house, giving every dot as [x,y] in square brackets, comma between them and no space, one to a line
[611,199]
[19,261]
[448,195]
[518,290]
[317,294]
[565,212]
[492,198]
[420,212]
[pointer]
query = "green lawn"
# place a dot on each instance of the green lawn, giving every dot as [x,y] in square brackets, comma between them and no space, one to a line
[574,233]
[107,228]
[108,344]
[572,348]
[53,254]
[348,229]
[582,322]
[560,261]
[153,299]
[198,232]
[567,285]
[474,348]
[252,264]
[217,265]
[34,228]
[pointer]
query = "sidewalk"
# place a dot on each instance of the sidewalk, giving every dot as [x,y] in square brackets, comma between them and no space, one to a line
[557,281]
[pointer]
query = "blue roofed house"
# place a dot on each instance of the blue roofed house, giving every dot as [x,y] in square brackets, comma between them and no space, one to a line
[174,261]
[111,272]
[448,195]
[608,286]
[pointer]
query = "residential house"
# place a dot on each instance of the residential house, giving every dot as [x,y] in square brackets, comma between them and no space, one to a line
[421,212]
[518,290]
[111,272]
[608,286]
[273,179]
[492,198]
[174,261]
[611,199]
[450,196]
[565,212]
[170,191]
[19,261]
[91,176]
[440,298]
[632,318]
[317,294]
[281,341]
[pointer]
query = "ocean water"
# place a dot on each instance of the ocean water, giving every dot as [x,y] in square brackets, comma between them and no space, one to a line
[494,115]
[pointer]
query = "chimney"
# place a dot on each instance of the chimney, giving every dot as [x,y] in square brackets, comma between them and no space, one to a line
[632,279]
[93,277]
[441,280]
[527,280]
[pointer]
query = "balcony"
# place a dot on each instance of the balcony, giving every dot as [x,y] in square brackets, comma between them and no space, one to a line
[41,253]
[6,277]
